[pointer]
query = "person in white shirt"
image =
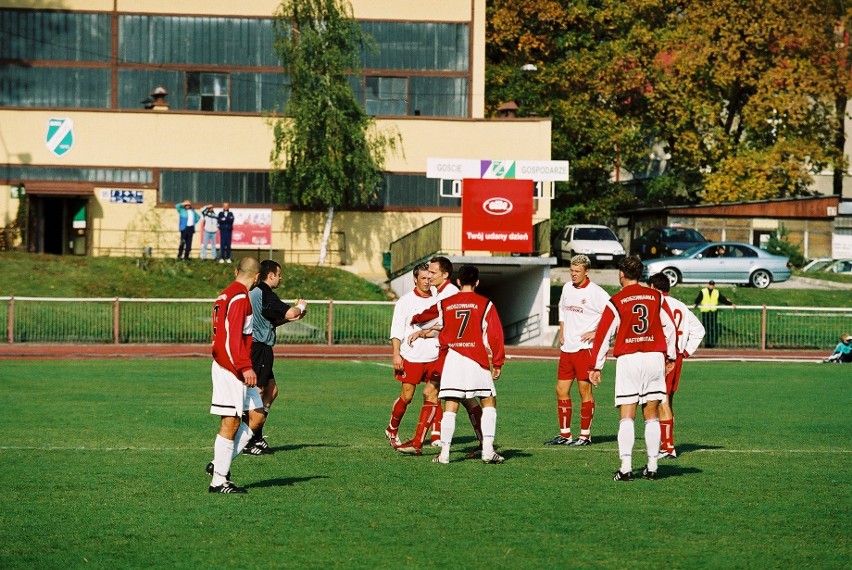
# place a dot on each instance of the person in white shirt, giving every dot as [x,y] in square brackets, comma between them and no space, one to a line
[690,333]
[580,307]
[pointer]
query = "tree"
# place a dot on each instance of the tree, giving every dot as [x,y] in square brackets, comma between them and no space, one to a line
[327,152]
[742,97]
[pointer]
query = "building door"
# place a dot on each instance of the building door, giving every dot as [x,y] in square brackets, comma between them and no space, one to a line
[57,224]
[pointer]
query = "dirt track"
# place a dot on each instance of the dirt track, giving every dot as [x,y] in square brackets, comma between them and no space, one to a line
[25,351]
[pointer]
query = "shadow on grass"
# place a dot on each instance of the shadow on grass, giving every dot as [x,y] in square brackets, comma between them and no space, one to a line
[296,446]
[283,482]
[668,470]
[690,447]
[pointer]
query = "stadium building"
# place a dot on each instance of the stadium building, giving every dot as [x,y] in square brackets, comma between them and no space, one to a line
[114,111]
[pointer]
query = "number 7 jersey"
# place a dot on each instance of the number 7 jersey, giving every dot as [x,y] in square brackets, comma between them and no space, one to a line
[640,321]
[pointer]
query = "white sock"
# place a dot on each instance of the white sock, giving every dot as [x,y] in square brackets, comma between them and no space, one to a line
[652,442]
[626,439]
[448,429]
[223,449]
[489,428]
[242,438]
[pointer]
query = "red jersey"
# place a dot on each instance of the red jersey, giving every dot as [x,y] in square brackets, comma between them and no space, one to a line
[472,328]
[232,318]
[641,323]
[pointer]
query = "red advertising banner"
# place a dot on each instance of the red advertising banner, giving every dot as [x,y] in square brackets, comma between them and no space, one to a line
[497,215]
[252,227]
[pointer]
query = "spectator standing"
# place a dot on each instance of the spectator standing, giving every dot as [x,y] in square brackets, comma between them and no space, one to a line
[226,228]
[187,218]
[211,228]
[644,351]
[707,302]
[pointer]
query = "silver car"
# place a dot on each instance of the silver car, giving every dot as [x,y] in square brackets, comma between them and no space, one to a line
[724,262]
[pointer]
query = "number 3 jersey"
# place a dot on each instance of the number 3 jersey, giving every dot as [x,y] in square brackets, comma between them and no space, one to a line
[640,321]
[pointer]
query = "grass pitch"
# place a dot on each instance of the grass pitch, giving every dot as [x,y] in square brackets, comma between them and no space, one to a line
[102,465]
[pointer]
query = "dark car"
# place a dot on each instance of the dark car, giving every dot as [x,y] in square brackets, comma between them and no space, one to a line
[665,242]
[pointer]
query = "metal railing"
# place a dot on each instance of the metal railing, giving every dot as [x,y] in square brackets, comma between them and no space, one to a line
[765,327]
[166,321]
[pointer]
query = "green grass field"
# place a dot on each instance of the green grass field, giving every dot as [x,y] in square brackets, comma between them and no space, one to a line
[102,465]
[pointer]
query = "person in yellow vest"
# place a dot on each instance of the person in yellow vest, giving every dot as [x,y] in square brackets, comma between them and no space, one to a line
[707,302]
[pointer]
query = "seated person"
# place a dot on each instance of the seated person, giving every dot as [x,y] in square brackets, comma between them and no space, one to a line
[843,351]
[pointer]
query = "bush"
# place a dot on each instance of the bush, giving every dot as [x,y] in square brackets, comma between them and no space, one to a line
[779,243]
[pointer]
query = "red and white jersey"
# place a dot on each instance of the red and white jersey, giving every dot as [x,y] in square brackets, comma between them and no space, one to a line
[689,329]
[580,309]
[430,316]
[232,318]
[472,328]
[640,322]
[409,305]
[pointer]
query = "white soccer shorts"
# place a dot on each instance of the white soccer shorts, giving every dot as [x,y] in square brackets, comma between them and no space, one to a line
[640,377]
[463,378]
[230,396]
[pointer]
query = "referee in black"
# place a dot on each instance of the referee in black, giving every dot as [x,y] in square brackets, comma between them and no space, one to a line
[268,312]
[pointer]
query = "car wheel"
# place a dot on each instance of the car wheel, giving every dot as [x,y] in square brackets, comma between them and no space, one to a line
[672,274]
[760,279]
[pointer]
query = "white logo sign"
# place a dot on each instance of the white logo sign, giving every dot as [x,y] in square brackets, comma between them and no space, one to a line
[60,136]
[497,206]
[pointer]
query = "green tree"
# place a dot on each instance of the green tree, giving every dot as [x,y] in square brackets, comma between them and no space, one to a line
[745,100]
[327,153]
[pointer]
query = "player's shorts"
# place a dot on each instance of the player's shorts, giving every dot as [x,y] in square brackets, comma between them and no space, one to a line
[673,377]
[230,396]
[640,377]
[575,365]
[417,372]
[463,378]
[261,362]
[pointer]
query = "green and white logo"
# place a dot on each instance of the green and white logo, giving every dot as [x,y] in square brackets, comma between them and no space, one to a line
[60,135]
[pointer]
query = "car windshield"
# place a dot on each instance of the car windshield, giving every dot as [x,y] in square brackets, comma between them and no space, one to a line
[693,250]
[682,235]
[595,234]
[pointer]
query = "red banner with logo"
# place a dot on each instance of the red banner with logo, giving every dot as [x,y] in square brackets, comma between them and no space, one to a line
[497,215]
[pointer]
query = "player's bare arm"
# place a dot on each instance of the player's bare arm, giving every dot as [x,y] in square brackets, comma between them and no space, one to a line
[589,336]
[250,378]
[495,372]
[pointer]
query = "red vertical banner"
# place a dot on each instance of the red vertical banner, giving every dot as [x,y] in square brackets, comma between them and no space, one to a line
[497,215]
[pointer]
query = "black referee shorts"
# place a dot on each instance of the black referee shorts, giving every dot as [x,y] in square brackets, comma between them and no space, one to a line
[261,361]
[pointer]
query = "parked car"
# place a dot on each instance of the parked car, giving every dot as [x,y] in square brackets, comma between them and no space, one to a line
[724,262]
[599,243]
[841,266]
[817,264]
[666,242]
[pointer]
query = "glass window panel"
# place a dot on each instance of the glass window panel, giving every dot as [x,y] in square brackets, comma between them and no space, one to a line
[135,85]
[215,186]
[37,87]
[33,35]
[411,190]
[439,96]
[417,45]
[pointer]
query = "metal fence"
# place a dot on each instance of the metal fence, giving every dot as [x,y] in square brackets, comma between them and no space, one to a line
[166,321]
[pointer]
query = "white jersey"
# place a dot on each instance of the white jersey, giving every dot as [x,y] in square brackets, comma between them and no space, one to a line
[580,310]
[410,304]
[689,329]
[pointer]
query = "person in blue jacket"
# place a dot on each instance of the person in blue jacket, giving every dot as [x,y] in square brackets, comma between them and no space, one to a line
[187,218]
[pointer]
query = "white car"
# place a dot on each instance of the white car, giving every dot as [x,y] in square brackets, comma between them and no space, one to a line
[599,243]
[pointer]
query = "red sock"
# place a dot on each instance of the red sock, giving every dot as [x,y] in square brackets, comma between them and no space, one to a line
[667,434]
[396,414]
[587,412]
[427,417]
[475,416]
[436,425]
[563,413]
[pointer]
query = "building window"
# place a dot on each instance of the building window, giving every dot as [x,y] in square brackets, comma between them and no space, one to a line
[386,96]
[207,91]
